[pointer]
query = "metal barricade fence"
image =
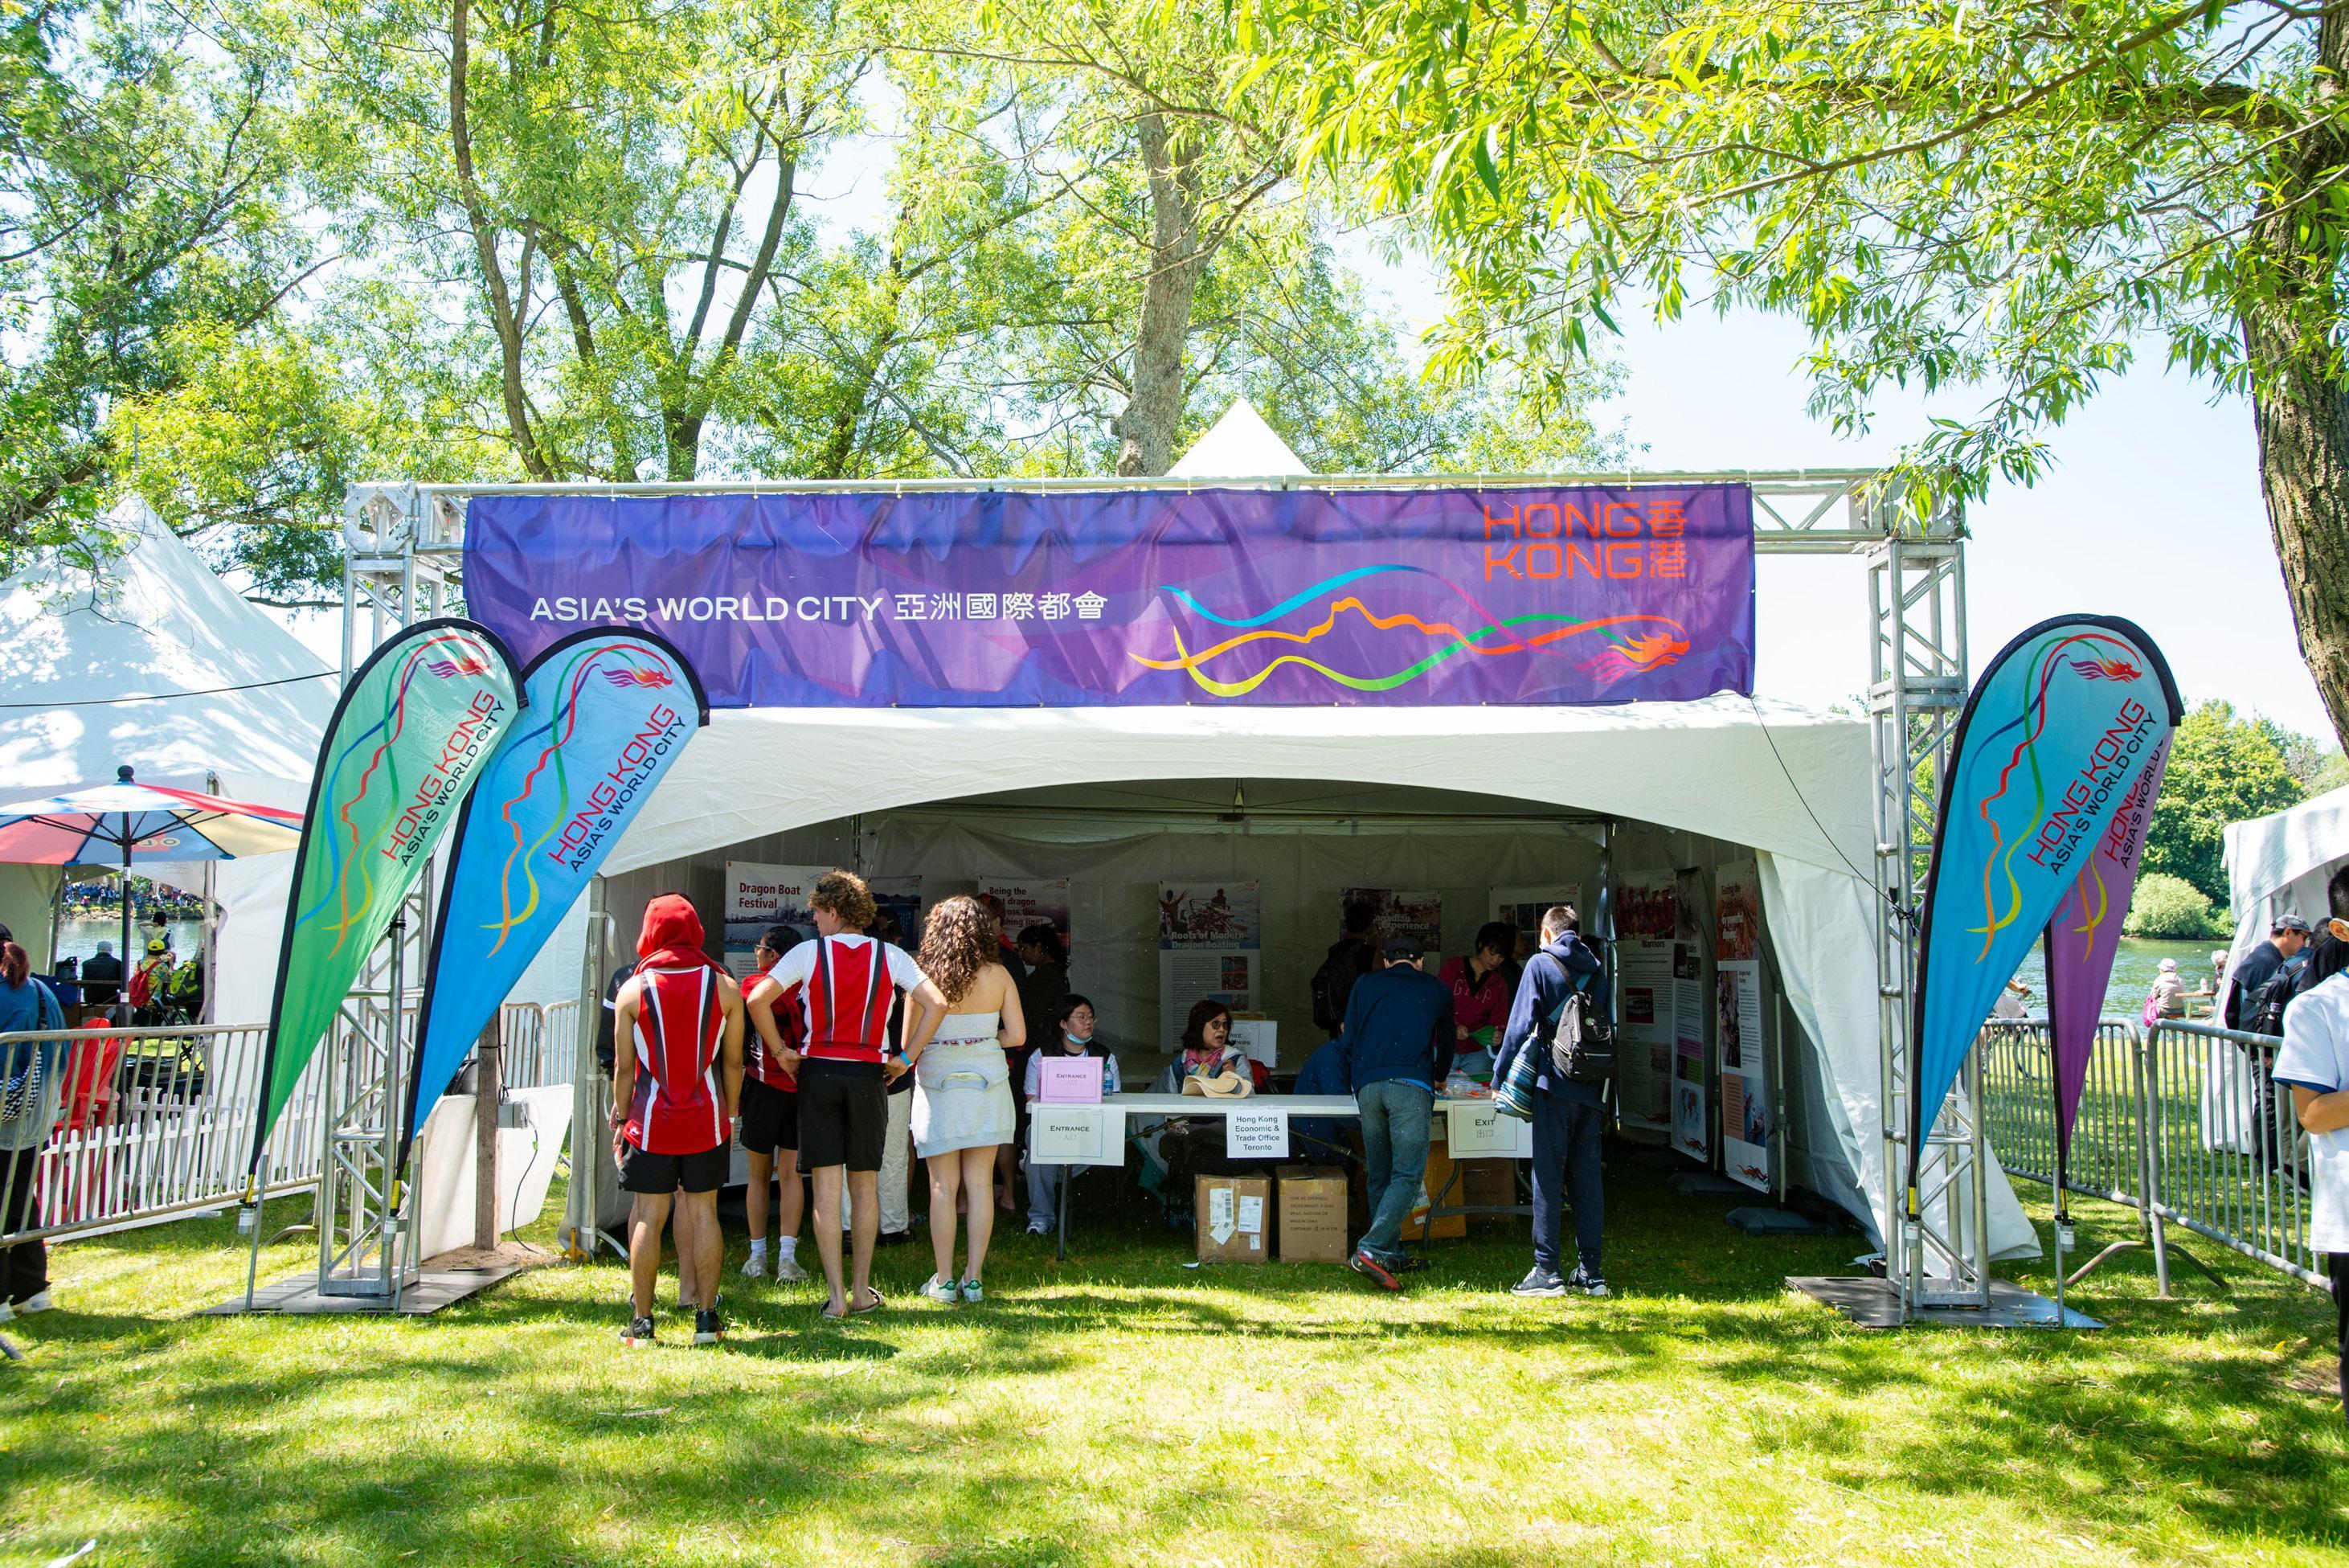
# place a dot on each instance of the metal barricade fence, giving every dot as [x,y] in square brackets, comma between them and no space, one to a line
[2228,1158]
[2108,1152]
[148,1124]
[539,1048]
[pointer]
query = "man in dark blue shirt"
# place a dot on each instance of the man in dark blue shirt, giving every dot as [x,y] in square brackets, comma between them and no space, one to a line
[1568,1116]
[1397,1044]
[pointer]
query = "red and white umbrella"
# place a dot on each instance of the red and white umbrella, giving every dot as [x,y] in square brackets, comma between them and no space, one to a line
[107,825]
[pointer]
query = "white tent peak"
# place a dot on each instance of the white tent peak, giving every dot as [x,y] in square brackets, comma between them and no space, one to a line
[1240,445]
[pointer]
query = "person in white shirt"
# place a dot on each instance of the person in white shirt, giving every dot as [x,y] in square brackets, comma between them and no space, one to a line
[2007,1008]
[1071,1035]
[2315,1062]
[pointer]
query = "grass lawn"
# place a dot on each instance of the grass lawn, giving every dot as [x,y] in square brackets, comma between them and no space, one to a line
[1121,1408]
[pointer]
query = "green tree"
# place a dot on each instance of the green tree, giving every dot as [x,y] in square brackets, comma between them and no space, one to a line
[1997,201]
[2222,769]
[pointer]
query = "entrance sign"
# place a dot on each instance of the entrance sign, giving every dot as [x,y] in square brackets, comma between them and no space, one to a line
[2050,748]
[1072,598]
[1076,1134]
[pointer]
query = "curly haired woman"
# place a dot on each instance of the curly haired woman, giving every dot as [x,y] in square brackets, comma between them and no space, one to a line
[962,1086]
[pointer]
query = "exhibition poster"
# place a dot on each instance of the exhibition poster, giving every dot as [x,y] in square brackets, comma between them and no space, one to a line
[901,897]
[1523,907]
[1646,998]
[1032,903]
[1209,937]
[760,896]
[1419,916]
[1691,1110]
[1739,1019]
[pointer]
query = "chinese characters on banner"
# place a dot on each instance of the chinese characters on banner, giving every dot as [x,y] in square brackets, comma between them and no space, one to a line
[1647,999]
[1528,594]
[1691,1111]
[1740,1019]
[1210,935]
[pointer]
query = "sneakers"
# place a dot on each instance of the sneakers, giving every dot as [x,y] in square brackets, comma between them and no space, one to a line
[1539,1281]
[706,1328]
[971,1293]
[1409,1264]
[7,1312]
[638,1332]
[1038,1228]
[37,1302]
[787,1270]
[895,1238]
[940,1290]
[756,1269]
[1583,1282]
[1370,1268]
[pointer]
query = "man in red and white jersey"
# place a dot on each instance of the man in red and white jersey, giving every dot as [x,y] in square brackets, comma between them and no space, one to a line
[770,1126]
[677,1079]
[848,984]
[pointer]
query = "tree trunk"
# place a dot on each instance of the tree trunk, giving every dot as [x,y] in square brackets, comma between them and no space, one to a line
[2299,404]
[503,316]
[1154,408]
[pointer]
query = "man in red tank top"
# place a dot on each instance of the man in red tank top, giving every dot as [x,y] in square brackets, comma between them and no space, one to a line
[848,983]
[677,1079]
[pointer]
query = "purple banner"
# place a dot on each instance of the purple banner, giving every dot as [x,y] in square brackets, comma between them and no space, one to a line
[2084,936]
[1075,598]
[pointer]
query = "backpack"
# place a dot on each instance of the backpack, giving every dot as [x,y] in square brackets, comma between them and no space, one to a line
[142,987]
[1582,1038]
[1333,982]
[2265,1014]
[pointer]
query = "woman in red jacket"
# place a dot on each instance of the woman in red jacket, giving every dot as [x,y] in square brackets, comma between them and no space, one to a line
[1483,985]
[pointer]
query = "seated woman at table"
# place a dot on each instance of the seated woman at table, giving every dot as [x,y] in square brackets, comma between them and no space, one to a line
[1194,1145]
[1207,1049]
[1071,1035]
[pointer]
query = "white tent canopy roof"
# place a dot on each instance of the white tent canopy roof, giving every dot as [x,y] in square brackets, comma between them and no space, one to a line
[1240,445]
[2280,863]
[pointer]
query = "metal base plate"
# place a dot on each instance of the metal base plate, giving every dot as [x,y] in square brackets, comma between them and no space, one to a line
[1874,1303]
[297,1295]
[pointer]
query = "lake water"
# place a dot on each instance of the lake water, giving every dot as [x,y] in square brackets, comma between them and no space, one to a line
[2133,968]
[79,935]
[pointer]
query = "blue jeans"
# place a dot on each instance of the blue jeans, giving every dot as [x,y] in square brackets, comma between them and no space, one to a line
[1568,1123]
[1394,1157]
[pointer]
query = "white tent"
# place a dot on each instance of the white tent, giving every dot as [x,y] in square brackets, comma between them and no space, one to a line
[1240,445]
[1791,785]
[2279,864]
[232,697]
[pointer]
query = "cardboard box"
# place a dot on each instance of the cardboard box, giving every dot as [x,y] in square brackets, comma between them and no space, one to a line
[1417,1227]
[1234,1219]
[1312,1214]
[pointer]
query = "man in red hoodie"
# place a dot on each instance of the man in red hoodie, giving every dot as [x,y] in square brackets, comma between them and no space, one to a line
[677,1081]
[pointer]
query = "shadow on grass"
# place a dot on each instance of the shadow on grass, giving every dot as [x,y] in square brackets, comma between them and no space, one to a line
[925,1433]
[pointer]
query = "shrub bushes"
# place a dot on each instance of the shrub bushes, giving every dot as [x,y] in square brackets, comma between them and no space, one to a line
[2167,905]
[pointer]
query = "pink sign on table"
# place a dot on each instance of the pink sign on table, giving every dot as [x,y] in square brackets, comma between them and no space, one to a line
[1070,1081]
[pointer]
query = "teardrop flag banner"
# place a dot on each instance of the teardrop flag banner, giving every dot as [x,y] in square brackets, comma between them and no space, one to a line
[2082,940]
[415,725]
[610,711]
[2052,743]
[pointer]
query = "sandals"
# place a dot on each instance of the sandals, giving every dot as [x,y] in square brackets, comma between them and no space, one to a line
[875,1304]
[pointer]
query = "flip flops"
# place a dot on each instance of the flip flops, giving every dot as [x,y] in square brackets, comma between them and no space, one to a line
[875,1304]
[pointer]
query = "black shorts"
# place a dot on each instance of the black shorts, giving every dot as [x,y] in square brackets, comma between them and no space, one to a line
[658,1175]
[843,1114]
[769,1118]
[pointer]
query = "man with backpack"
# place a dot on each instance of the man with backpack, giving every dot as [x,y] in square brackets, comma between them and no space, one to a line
[1350,958]
[1562,993]
[2250,1004]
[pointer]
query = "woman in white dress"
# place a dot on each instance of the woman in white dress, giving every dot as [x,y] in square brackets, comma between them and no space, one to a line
[962,1086]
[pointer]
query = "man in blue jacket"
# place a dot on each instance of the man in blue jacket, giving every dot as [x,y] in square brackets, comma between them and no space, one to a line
[1569,1117]
[1397,1044]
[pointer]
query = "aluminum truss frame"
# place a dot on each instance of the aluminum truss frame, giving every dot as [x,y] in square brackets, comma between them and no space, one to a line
[1917,676]
[408,539]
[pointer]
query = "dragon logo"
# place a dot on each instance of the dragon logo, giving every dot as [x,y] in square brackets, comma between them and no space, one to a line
[462,664]
[2108,668]
[632,678]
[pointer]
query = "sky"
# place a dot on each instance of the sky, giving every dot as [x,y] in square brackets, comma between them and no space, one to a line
[2152,512]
